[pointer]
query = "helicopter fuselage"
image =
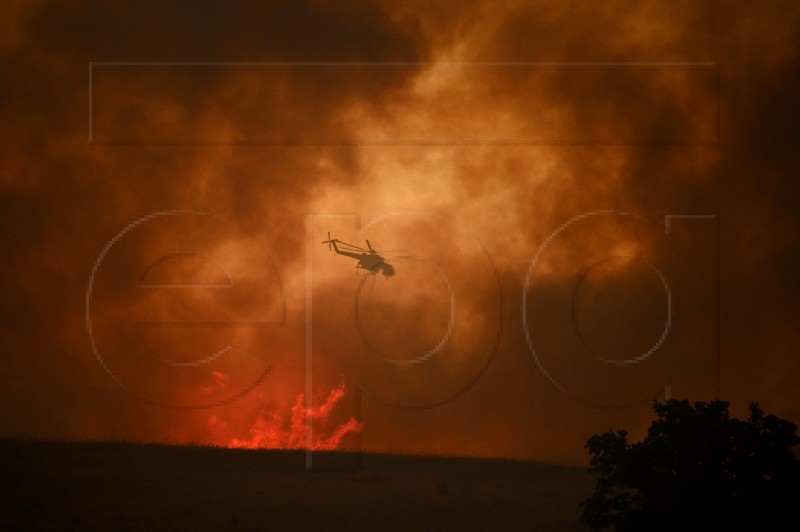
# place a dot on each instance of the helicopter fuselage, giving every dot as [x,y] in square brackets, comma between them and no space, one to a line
[370,261]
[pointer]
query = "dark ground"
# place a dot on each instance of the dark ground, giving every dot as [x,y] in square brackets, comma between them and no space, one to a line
[122,486]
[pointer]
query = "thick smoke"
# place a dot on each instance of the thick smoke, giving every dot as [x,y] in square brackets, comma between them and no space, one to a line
[476,139]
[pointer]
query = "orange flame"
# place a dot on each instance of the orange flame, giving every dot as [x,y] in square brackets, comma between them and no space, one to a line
[271,431]
[220,381]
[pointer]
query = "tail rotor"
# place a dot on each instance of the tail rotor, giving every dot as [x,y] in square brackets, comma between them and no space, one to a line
[329,241]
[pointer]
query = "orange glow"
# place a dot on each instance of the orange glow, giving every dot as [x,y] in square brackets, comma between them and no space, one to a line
[273,431]
[220,381]
[570,186]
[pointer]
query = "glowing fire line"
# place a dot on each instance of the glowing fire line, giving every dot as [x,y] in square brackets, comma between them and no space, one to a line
[272,431]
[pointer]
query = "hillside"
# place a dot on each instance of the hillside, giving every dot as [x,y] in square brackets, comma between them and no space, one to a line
[123,486]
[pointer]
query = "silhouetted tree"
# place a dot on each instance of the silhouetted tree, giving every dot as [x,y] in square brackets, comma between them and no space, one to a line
[697,469]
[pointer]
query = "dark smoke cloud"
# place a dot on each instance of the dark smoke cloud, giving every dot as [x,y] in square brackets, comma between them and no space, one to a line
[528,150]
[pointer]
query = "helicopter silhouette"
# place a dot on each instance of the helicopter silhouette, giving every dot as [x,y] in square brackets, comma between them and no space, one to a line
[368,259]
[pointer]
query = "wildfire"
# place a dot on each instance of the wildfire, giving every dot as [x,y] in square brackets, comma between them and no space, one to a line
[220,381]
[273,431]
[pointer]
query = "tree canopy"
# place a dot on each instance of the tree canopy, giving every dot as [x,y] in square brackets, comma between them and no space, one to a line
[697,469]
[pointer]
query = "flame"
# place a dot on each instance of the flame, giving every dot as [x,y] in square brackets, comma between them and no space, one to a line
[272,431]
[220,381]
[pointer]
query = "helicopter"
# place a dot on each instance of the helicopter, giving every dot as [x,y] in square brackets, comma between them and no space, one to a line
[368,259]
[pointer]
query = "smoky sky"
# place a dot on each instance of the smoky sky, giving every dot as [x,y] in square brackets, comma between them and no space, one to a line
[594,205]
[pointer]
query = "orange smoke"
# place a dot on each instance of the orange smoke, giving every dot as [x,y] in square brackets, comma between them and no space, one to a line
[273,431]
[220,381]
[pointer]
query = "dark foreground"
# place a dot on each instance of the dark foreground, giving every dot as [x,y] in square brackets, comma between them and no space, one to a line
[120,486]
